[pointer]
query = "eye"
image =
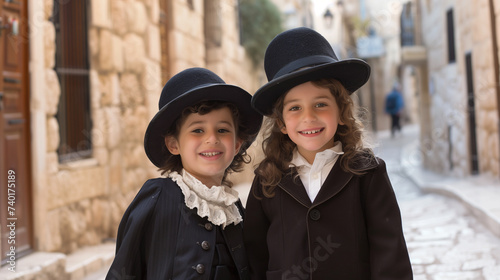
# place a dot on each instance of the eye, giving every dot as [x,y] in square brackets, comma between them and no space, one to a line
[319,105]
[294,108]
[223,130]
[198,130]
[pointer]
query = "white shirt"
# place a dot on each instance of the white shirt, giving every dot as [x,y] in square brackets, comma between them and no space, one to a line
[313,176]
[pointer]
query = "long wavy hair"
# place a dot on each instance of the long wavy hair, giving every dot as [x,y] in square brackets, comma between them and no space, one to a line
[174,163]
[278,147]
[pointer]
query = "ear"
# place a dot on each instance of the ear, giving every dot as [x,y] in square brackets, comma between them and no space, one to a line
[341,112]
[283,130]
[172,145]
[238,145]
[282,126]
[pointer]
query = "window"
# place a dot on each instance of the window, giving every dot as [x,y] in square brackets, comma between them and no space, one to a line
[451,36]
[72,68]
[407,26]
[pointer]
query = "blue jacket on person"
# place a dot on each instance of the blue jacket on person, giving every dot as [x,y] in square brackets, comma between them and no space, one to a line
[394,102]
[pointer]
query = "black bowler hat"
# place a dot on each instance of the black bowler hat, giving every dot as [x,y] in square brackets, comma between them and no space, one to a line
[300,55]
[188,88]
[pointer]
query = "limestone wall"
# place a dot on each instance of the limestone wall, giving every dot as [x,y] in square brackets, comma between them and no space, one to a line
[447,147]
[85,199]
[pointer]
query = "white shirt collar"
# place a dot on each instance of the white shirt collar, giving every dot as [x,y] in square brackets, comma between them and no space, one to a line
[329,155]
[314,175]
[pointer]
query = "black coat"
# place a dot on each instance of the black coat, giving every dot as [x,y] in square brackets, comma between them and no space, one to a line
[160,238]
[352,230]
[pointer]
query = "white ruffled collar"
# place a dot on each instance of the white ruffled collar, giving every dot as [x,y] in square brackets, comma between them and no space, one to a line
[217,203]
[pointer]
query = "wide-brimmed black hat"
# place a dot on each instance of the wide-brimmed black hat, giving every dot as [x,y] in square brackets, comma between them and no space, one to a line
[300,55]
[188,88]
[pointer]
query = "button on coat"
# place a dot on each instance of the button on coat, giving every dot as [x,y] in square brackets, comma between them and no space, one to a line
[208,226]
[314,214]
[200,269]
[205,245]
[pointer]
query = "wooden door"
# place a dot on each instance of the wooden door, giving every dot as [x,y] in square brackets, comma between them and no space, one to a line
[15,171]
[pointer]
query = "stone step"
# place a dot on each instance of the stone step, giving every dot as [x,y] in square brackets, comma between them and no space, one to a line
[57,266]
[89,260]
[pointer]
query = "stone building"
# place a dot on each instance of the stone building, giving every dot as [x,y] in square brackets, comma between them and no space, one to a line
[82,81]
[455,56]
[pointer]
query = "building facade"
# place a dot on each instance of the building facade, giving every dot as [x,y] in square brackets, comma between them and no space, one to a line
[456,58]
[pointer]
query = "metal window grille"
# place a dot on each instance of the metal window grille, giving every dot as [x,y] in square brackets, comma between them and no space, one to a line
[72,68]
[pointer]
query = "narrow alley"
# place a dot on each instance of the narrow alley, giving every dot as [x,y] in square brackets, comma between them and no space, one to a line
[444,239]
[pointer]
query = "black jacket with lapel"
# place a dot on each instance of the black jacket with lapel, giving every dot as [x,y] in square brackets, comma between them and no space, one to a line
[352,230]
[160,238]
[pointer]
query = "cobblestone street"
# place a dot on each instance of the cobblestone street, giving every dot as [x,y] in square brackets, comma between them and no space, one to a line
[444,240]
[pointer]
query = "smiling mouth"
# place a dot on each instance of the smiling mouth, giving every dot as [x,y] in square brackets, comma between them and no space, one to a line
[310,132]
[210,154]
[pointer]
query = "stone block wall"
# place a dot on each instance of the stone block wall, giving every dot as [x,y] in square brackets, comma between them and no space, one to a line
[85,199]
[448,145]
[187,44]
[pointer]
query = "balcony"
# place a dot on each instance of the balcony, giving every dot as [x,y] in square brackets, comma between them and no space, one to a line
[411,52]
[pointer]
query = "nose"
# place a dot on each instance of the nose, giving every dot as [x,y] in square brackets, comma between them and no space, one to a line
[212,137]
[309,114]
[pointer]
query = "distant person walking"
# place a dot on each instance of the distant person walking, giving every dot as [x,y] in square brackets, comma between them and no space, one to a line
[394,105]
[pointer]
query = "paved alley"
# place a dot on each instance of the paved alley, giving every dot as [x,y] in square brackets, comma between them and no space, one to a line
[444,240]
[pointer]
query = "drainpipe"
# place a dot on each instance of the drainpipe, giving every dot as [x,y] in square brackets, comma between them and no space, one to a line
[496,67]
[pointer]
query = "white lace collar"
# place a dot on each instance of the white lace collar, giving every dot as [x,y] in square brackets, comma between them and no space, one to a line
[216,203]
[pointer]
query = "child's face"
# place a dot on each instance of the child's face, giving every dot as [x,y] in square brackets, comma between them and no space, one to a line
[207,145]
[311,117]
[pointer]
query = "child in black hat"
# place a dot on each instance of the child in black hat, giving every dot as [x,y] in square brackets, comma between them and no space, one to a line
[188,225]
[321,205]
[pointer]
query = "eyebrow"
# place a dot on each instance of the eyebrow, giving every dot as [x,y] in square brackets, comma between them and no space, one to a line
[289,101]
[295,100]
[203,121]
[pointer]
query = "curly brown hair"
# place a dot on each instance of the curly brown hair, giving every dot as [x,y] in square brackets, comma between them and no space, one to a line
[174,163]
[278,147]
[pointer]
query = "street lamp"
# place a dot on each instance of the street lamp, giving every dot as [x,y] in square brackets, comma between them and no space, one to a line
[328,17]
